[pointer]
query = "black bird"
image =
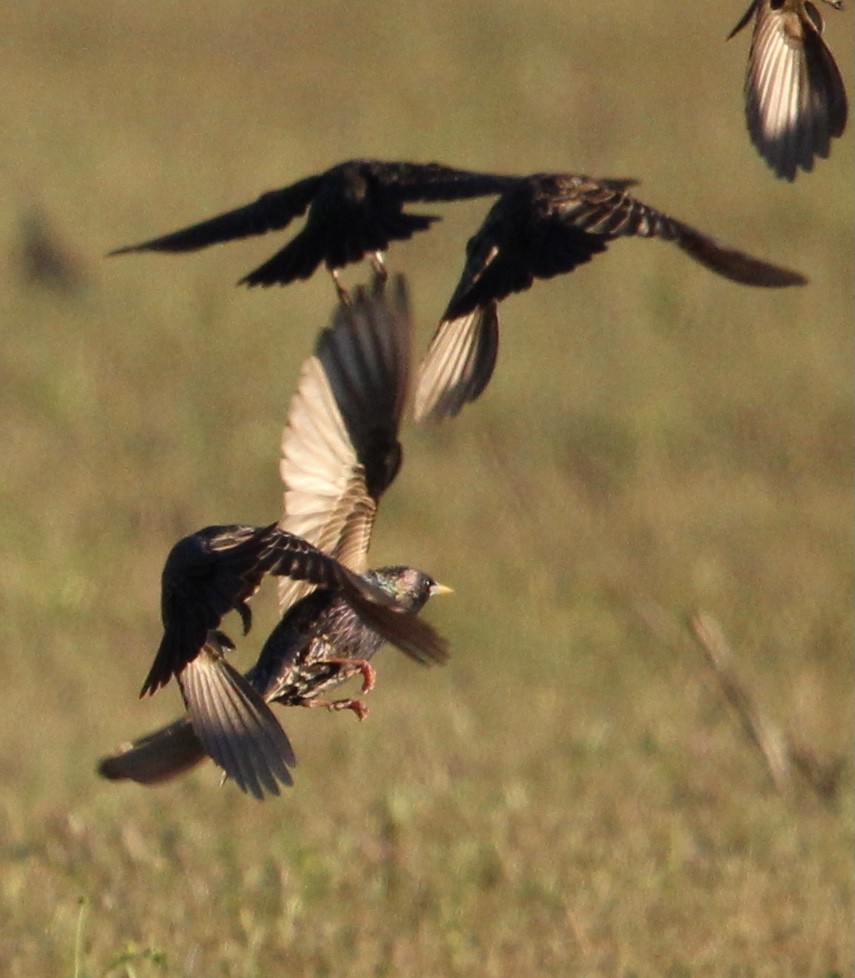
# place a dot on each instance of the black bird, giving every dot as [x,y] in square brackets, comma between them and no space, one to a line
[318,644]
[795,100]
[340,453]
[217,570]
[354,209]
[548,224]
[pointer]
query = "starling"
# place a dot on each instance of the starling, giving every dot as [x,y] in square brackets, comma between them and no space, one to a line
[548,224]
[217,570]
[795,101]
[354,209]
[340,453]
[318,644]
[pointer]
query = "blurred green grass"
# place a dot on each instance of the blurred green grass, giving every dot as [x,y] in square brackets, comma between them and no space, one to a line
[570,795]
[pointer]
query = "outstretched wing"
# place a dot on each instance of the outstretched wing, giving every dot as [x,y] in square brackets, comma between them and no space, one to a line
[156,757]
[227,719]
[795,100]
[340,448]
[271,212]
[458,364]
[528,234]
[435,182]
[600,213]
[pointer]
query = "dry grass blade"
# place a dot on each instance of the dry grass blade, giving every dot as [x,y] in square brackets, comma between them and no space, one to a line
[780,752]
[766,735]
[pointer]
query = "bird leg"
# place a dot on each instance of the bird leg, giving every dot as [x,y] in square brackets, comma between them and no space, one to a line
[350,667]
[381,273]
[358,707]
[343,294]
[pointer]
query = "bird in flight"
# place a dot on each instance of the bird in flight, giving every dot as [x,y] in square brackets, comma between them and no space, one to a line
[795,100]
[545,225]
[340,452]
[354,209]
[217,570]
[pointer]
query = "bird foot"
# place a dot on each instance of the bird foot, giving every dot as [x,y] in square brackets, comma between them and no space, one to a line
[357,706]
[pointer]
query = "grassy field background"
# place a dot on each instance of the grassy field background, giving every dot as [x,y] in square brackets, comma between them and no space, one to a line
[571,795]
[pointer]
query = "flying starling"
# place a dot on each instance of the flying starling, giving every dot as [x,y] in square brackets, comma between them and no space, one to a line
[354,209]
[795,101]
[217,570]
[548,224]
[340,453]
[318,644]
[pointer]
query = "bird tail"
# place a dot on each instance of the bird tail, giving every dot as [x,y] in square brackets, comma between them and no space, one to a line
[458,364]
[297,260]
[401,226]
[365,235]
[157,757]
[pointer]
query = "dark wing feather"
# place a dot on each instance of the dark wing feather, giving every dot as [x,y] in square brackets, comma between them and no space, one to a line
[234,724]
[497,265]
[297,261]
[435,182]
[535,230]
[206,575]
[365,355]
[348,239]
[731,263]
[271,212]
[604,214]
[745,18]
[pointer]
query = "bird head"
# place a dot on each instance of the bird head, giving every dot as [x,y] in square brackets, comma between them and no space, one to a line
[410,587]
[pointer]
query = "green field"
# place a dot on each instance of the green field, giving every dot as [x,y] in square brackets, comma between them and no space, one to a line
[571,795]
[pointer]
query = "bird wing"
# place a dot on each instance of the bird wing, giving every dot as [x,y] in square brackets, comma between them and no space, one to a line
[206,575]
[745,18]
[582,224]
[340,448]
[433,181]
[522,240]
[234,724]
[458,364]
[795,100]
[271,212]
